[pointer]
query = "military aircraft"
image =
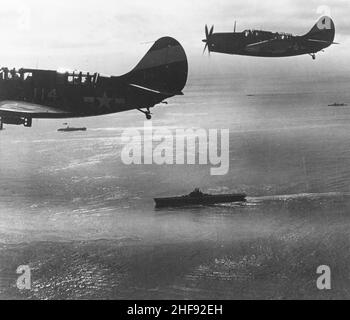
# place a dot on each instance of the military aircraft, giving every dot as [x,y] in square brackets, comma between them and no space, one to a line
[26,94]
[271,44]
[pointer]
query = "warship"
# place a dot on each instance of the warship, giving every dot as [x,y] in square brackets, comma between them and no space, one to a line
[198,198]
[70,129]
[338,105]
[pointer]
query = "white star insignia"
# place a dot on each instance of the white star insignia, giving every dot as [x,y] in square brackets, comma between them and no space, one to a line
[104,101]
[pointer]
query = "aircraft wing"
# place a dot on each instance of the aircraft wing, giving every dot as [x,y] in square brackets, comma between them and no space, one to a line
[272,45]
[25,109]
[258,46]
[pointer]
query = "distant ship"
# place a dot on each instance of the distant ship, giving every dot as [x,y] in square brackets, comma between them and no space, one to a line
[199,198]
[70,129]
[338,105]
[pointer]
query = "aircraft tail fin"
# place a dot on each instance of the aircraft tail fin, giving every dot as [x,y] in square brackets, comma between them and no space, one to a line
[164,68]
[323,30]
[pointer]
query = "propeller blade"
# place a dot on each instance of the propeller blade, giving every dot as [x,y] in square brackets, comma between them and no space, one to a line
[205,48]
[208,34]
[211,31]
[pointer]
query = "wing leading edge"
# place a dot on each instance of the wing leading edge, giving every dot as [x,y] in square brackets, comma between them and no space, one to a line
[262,45]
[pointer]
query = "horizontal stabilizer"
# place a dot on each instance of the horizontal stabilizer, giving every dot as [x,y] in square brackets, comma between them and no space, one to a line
[163,93]
[322,41]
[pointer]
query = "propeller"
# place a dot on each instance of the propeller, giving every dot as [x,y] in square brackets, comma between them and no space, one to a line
[208,34]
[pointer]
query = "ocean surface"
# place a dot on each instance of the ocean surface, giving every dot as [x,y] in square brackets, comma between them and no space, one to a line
[86,225]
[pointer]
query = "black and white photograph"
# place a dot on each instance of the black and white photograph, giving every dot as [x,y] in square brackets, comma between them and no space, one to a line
[174,151]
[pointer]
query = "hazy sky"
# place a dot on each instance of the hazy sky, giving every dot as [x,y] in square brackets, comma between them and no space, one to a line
[110,36]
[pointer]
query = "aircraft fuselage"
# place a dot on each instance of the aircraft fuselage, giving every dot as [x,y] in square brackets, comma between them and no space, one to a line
[260,43]
[284,45]
[80,95]
[26,94]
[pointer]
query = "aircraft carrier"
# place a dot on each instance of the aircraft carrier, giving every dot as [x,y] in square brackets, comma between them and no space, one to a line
[198,198]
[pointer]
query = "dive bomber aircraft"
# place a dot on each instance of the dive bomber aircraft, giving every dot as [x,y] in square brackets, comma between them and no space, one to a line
[26,94]
[272,44]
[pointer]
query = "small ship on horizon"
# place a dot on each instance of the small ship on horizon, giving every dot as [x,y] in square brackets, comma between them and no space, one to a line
[70,129]
[338,105]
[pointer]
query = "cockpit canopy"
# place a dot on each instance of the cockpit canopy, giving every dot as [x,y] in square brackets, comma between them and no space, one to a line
[267,34]
[79,77]
[73,78]
[256,33]
[6,74]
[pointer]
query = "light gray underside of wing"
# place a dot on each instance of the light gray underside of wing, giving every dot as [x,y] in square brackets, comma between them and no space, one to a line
[26,109]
